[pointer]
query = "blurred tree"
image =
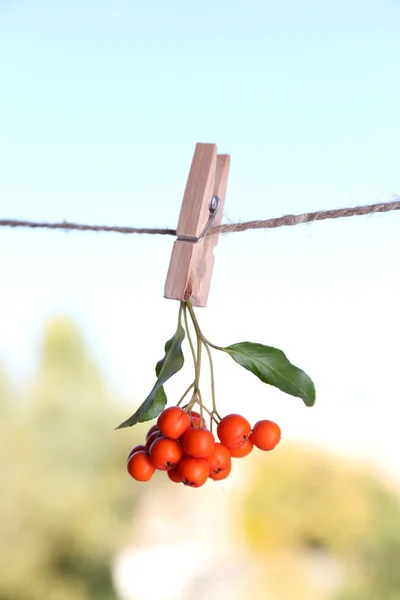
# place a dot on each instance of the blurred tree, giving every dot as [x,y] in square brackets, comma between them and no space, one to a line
[378,565]
[305,499]
[65,498]
[305,503]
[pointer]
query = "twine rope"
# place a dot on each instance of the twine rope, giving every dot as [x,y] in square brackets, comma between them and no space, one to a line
[285,221]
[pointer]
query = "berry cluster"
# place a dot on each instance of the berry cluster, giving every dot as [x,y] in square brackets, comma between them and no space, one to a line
[181,444]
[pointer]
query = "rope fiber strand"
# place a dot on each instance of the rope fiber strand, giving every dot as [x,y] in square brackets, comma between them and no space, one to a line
[285,221]
[80,227]
[291,220]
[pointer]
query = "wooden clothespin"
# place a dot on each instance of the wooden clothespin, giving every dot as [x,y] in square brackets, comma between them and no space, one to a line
[192,258]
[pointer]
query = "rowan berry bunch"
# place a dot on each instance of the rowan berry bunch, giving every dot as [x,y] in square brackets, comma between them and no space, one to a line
[180,442]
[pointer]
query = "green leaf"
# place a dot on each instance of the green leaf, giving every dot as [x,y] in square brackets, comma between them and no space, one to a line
[160,398]
[165,368]
[272,367]
[167,348]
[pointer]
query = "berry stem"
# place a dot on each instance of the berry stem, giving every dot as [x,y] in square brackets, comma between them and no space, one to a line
[214,404]
[209,412]
[196,392]
[194,319]
[198,367]
[198,330]
[206,341]
[202,340]
[200,400]
[189,337]
[196,356]
[185,394]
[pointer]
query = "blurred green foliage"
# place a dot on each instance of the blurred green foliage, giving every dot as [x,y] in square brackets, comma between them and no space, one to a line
[303,499]
[65,501]
[379,562]
[307,502]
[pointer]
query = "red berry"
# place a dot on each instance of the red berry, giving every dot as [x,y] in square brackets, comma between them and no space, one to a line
[221,475]
[196,422]
[140,467]
[173,422]
[165,453]
[195,419]
[220,459]
[152,429]
[154,436]
[243,450]
[265,435]
[174,475]
[193,471]
[136,449]
[233,430]
[198,443]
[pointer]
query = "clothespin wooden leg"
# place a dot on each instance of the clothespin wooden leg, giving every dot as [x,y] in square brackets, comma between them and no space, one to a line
[191,264]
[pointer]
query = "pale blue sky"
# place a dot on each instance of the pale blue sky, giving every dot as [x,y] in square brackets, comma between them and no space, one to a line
[100,110]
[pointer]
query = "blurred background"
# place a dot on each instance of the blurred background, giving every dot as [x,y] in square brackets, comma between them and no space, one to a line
[101,106]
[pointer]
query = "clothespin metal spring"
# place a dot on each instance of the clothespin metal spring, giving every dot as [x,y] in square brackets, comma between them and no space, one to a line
[214,207]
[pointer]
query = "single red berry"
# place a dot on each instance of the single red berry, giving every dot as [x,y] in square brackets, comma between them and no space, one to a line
[195,419]
[165,453]
[220,459]
[173,475]
[266,435]
[152,429]
[221,475]
[196,422]
[233,430]
[140,467]
[152,438]
[198,442]
[136,449]
[193,471]
[243,450]
[173,422]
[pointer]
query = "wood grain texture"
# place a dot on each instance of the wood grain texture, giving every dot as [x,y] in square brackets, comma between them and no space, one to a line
[205,259]
[191,265]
